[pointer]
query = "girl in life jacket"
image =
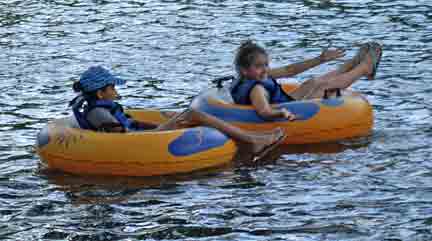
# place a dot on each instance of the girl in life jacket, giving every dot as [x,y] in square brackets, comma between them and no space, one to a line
[256,83]
[95,109]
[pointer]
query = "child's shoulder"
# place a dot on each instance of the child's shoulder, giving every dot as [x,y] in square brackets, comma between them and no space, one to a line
[100,115]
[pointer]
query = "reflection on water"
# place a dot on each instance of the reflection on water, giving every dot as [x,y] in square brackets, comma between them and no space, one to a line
[372,188]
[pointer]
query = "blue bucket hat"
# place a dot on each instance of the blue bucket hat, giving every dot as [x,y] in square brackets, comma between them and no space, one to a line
[97,77]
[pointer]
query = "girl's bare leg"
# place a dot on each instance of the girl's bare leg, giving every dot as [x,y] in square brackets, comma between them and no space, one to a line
[315,88]
[258,141]
[349,64]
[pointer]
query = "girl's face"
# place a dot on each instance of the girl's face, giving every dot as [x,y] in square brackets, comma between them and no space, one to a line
[108,93]
[259,68]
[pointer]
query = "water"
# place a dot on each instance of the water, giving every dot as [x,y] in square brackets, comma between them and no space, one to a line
[374,188]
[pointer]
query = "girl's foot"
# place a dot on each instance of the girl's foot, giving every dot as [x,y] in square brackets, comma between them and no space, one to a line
[354,61]
[176,121]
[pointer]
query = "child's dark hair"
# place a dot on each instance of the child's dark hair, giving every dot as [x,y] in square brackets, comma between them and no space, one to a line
[88,96]
[246,54]
[77,86]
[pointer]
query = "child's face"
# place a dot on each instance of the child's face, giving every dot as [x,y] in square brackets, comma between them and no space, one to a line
[109,93]
[259,68]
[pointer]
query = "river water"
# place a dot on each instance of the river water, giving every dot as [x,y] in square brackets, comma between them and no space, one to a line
[373,188]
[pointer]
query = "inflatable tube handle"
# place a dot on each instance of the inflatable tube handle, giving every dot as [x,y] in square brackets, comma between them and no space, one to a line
[326,95]
[220,80]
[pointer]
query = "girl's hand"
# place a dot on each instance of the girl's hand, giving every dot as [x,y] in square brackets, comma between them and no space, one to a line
[288,115]
[331,54]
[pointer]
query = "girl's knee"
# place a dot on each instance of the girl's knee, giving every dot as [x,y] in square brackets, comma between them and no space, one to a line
[318,84]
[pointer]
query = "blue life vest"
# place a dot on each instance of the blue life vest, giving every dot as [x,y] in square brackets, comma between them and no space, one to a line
[80,112]
[240,91]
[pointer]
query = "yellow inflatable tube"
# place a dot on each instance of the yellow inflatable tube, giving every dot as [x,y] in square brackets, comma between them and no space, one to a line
[319,120]
[73,150]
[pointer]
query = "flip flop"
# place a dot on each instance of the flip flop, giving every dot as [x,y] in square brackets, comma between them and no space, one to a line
[376,57]
[266,149]
[361,54]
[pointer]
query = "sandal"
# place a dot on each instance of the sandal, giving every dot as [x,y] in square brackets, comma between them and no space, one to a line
[375,52]
[361,54]
[266,149]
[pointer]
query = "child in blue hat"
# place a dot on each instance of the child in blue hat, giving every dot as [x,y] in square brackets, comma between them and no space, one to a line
[95,109]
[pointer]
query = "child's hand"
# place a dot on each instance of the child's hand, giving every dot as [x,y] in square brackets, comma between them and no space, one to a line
[328,55]
[288,115]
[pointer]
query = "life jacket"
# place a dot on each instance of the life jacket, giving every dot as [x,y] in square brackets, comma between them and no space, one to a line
[240,91]
[80,110]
